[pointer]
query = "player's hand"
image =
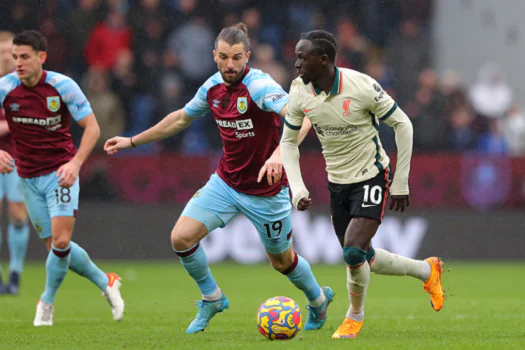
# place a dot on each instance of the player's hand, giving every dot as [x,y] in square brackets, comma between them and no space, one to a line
[399,203]
[7,163]
[273,168]
[67,174]
[304,204]
[113,145]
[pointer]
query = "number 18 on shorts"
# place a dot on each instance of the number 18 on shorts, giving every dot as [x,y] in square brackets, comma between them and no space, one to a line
[46,199]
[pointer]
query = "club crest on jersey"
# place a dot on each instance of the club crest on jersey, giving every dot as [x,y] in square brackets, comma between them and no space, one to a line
[53,103]
[242,104]
[346,108]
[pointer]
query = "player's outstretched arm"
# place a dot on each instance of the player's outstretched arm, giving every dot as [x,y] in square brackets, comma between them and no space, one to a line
[403,129]
[290,156]
[68,173]
[7,163]
[170,125]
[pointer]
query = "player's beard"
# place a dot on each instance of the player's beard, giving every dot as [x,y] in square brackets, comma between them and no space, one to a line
[234,77]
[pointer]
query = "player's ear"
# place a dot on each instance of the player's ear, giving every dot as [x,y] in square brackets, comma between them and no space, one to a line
[215,56]
[325,60]
[42,56]
[248,54]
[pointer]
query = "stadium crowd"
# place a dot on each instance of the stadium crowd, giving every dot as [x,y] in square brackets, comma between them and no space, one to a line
[138,60]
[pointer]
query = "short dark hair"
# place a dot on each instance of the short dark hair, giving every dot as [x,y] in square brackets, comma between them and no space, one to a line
[235,34]
[31,38]
[323,42]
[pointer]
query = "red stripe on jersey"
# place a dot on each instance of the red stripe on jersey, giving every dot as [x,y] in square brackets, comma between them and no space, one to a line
[387,187]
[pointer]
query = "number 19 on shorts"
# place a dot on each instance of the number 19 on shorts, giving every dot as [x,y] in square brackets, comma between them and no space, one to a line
[275,227]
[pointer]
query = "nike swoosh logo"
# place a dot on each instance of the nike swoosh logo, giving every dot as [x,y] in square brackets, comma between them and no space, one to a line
[307,110]
[368,205]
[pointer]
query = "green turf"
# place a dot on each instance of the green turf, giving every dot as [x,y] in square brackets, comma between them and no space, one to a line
[485,309]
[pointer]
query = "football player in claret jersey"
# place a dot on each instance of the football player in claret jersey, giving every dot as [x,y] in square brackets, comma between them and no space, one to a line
[246,104]
[39,105]
[18,226]
[345,108]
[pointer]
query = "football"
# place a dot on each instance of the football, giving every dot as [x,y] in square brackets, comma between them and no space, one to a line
[279,318]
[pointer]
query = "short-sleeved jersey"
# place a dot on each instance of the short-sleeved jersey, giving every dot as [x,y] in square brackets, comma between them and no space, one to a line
[346,122]
[39,120]
[247,115]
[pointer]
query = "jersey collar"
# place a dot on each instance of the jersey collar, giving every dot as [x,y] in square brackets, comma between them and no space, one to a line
[337,87]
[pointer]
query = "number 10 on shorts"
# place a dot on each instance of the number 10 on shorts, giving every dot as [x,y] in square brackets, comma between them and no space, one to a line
[372,195]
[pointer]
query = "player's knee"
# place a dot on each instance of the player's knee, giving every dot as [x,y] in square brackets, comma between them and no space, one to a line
[19,223]
[181,240]
[279,265]
[354,256]
[18,219]
[284,263]
[61,242]
[186,234]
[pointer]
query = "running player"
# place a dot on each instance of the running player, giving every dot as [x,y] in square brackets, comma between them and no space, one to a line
[344,107]
[18,226]
[246,104]
[39,105]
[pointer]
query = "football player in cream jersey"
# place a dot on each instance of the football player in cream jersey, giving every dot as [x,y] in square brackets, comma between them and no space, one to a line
[345,108]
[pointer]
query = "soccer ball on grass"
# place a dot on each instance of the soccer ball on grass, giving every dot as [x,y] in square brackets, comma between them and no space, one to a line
[279,318]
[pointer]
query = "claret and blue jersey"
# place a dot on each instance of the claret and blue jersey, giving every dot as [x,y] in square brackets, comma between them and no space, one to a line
[39,120]
[247,115]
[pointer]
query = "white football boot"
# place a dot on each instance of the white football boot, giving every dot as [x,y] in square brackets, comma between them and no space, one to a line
[112,295]
[44,314]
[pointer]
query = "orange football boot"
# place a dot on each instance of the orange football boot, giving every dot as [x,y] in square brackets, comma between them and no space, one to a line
[349,329]
[433,285]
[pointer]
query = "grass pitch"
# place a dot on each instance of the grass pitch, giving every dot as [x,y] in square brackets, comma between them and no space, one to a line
[485,309]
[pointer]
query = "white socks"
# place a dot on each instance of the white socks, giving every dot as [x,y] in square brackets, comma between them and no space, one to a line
[386,263]
[216,295]
[319,301]
[357,281]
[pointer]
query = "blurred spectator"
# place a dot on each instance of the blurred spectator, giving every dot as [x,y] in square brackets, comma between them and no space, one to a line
[106,105]
[149,49]
[81,22]
[170,100]
[146,11]
[107,39]
[382,74]
[124,79]
[20,16]
[351,46]
[426,111]
[408,53]
[491,97]
[265,61]
[192,43]
[493,141]
[513,126]
[55,44]
[461,136]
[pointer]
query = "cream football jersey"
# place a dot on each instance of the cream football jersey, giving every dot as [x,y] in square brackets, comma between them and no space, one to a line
[346,121]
